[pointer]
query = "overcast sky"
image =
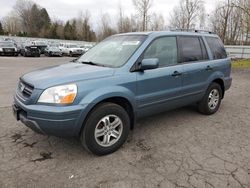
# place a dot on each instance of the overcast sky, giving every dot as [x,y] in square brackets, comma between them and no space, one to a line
[67,9]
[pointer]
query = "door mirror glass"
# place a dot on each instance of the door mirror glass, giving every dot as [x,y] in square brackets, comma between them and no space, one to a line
[147,64]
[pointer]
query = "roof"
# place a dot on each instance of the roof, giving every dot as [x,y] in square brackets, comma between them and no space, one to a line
[177,32]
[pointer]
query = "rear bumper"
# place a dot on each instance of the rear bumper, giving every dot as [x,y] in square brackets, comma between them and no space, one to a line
[56,53]
[50,120]
[32,54]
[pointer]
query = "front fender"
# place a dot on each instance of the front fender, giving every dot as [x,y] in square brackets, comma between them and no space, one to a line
[101,94]
[96,96]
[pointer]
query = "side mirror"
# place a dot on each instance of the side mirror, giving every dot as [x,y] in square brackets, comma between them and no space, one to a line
[147,64]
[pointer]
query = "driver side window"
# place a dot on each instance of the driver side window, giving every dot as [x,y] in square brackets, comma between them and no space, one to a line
[165,49]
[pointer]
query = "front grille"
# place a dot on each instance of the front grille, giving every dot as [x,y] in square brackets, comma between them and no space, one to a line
[25,89]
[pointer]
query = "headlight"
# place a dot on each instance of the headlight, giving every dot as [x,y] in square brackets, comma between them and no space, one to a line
[64,94]
[1,49]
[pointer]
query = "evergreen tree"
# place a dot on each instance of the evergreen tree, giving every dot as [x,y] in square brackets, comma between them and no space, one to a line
[1,29]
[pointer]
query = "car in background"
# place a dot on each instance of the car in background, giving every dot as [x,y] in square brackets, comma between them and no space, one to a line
[41,45]
[85,48]
[53,50]
[8,48]
[71,50]
[30,51]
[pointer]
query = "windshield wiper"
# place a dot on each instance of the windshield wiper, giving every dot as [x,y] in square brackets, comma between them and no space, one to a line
[91,63]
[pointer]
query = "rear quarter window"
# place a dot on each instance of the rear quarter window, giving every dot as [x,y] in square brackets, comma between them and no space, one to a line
[216,47]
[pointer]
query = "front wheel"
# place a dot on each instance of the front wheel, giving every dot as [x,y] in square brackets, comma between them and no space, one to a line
[211,100]
[106,129]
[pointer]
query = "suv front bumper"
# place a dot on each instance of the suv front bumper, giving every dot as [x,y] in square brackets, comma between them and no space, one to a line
[61,121]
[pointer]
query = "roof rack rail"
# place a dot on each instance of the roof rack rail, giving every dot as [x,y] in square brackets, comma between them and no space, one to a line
[194,30]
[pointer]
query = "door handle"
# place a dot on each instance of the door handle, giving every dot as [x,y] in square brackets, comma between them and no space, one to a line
[209,68]
[176,73]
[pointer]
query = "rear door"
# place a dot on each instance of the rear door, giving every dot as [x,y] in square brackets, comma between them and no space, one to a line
[158,89]
[196,66]
[220,62]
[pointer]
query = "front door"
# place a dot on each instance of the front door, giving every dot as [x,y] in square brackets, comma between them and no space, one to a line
[159,89]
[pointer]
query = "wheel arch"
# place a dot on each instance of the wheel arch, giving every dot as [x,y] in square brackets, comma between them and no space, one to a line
[122,101]
[222,85]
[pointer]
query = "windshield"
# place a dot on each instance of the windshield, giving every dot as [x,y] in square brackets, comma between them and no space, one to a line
[6,44]
[114,51]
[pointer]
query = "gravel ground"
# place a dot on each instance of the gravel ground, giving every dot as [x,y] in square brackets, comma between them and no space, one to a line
[180,148]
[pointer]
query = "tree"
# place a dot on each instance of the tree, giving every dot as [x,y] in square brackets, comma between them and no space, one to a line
[34,25]
[231,21]
[70,30]
[157,22]
[1,29]
[105,27]
[126,24]
[186,15]
[67,31]
[35,20]
[53,31]
[244,6]
[23,9]
[11,24]
[120,22]
[142,7]
[44,22]
[83,27]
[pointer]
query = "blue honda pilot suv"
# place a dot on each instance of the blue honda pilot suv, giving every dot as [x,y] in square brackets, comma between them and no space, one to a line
[99,97]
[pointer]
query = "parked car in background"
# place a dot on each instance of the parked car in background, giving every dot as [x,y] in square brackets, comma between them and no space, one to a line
[99,97]
[8,48]
[53,50]
[85,48]
[29,50]
[41,45]
[71,50]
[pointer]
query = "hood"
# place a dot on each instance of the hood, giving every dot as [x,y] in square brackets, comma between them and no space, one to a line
[66,73]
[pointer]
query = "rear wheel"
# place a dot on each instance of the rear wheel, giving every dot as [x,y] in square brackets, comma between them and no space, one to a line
[211,100]
[106,129]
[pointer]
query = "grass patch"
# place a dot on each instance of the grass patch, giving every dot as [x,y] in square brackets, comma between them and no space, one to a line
[245,63]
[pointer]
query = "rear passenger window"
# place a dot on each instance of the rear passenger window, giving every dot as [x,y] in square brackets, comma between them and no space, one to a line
[165,49]
[192,49]
[216,47]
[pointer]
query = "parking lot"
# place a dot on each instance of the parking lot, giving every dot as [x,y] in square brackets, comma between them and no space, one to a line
[179,148]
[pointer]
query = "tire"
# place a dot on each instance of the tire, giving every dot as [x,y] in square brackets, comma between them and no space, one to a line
[109,113]
[70,54]
[211,101]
